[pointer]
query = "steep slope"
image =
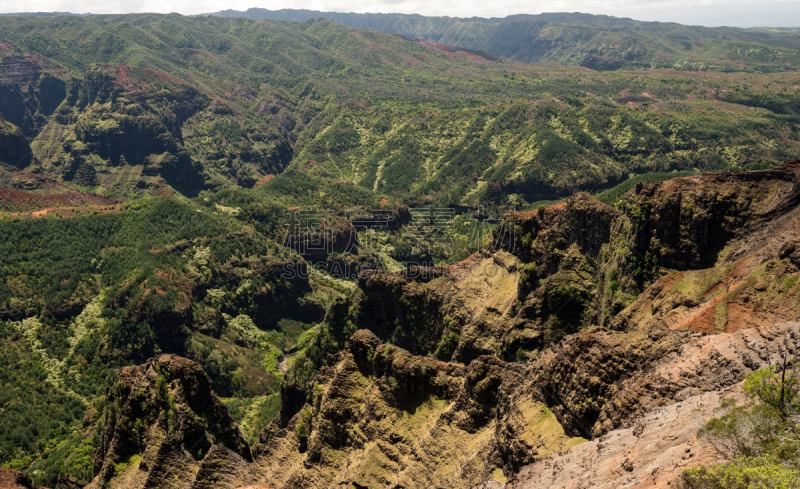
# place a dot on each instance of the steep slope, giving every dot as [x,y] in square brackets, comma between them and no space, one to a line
[202,103]
[13,479]
[376,416]
[700,241]
[14,147]
[696,375]
[164,427]
[590,383]
[595,41]
[638,456]
[380,417]
[741,226]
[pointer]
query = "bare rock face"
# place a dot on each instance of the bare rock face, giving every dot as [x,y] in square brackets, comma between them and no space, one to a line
[15,479]
[596,382]
[546,234]
[688,221]
[15,152]
[164,427]
[650,454]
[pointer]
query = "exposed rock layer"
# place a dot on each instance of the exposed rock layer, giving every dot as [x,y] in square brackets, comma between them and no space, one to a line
[413,384]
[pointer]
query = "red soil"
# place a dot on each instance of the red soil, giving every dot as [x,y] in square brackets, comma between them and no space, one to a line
[452,51]
[37,205]
[264,180]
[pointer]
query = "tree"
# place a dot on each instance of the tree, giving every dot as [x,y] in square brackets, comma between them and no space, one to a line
[781,392]
[760,439]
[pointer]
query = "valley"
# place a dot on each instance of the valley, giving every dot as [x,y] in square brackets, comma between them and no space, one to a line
[268,249]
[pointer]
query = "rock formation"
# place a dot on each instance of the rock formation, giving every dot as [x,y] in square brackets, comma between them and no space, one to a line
[164,427]
[474,375]
[15,479]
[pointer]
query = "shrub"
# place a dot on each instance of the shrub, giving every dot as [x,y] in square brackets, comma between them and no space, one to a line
[762,438]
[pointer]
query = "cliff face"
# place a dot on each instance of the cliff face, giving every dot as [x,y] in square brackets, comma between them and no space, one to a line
[612,306]
[15,479]
[117,120]
[638,456]
[14,148]
[504,301]
[121,128]
[378,416]
[31,88]
[649,413]
[164,427]
[476,375]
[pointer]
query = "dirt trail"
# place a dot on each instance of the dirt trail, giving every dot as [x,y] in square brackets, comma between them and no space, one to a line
[283,365]
[66,211]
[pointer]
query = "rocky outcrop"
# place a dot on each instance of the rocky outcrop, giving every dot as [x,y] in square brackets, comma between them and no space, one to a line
[164,427]
[651,454]
[378,416]
[598,381]
[409,382]
[750,279]
[611,307]
[31,88]
[574,257]
[533,287]
[15,479]
[282,295]
[15,152]
[545,235]
[697,222]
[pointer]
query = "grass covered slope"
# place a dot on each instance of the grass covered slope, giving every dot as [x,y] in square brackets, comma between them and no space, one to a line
[595,41]
[203,103]
[84,296]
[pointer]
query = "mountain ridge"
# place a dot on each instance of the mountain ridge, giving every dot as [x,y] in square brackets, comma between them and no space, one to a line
[376,410]
[487,33]
[217,102]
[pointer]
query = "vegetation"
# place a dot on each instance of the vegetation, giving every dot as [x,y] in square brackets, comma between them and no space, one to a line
[189,139]
[595,41]
[313,114]
[95,293]
[761,439]
[252,414]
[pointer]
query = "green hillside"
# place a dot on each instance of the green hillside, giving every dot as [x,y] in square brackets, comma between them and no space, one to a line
[127,105]
[150,164]
[595,41]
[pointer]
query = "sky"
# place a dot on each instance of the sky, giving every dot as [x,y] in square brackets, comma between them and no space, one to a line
[742,13]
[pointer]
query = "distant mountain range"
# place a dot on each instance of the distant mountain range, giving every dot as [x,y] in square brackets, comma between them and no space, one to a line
[38,14]
[595,41]
[115,103]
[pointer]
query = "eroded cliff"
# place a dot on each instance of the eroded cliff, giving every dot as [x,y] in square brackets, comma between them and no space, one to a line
[624,327]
